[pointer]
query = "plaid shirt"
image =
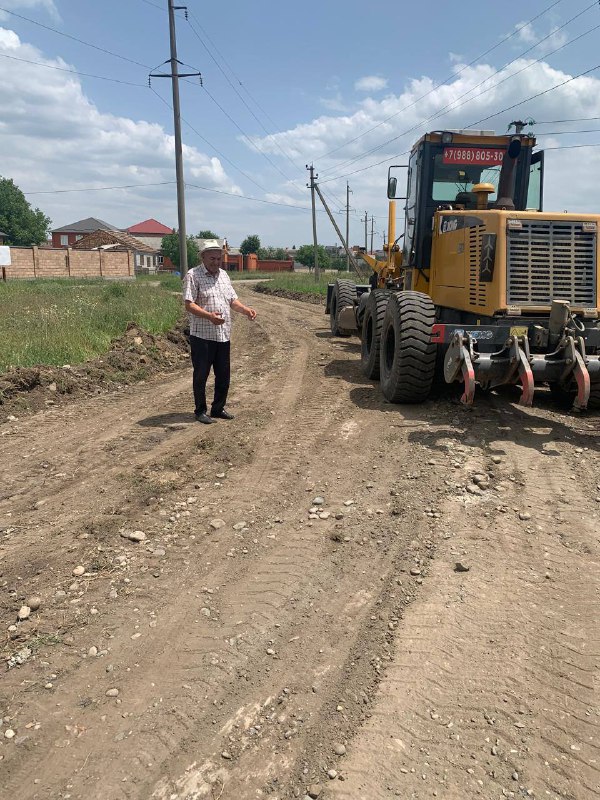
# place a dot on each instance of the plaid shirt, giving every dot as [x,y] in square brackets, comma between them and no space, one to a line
[212,294]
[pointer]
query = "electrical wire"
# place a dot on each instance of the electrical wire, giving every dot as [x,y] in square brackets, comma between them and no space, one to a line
[212,146]
[453,76]
[245,135]
[171,183]
[534,96]
[72,71]
[572,146]
[453,104]
[74,38]
[101,188]
[243,100]
[128,83]
[478,122]
[560,121]
[567,133]
[255,199]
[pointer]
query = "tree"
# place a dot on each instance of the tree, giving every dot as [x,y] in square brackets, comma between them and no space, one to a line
[170,249]
[208,234]
[275,253]
[339,263]
[305,255]
[23,225]
[251,244]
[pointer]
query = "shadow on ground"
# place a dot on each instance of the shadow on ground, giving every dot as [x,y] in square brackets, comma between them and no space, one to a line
[163,420]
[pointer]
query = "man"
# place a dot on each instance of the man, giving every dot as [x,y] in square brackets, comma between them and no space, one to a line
[209,298]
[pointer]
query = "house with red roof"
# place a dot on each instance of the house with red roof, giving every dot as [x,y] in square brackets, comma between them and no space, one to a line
[151,233]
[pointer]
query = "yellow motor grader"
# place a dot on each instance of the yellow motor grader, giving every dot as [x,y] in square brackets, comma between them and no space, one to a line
[487,288]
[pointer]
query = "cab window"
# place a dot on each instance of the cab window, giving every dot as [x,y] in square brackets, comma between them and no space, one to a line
[453,183]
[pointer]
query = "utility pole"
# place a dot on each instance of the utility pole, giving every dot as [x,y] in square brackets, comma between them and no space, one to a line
[366,220]
[372,220]
[175,76]
[314,220]
[353,261]
[348,192]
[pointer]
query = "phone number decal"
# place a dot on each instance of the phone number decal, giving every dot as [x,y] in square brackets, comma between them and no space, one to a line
[472,155]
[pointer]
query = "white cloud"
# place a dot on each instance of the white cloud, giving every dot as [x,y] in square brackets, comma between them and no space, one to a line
[370,83]
[526,34]
[55,137]
[569,179]
[335,103]
[26,5]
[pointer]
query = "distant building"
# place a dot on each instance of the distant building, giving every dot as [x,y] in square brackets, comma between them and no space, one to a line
[150,232]
[68,235]
[146,257]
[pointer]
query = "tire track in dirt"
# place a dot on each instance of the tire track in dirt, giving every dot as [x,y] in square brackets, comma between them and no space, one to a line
[197,652]
[494,688]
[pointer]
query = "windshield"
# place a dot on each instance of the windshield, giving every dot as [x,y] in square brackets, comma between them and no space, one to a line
[455,174]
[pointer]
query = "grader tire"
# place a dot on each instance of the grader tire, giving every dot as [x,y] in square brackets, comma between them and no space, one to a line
[407,355]
[371,333]
[344,294]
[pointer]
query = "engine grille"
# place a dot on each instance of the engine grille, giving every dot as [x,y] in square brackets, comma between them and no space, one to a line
[551,260]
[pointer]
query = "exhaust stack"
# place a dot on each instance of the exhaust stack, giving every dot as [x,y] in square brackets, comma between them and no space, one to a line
[506,187]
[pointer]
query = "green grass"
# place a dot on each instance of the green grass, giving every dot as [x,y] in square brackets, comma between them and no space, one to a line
[305,283]
[167,281]
[57,322]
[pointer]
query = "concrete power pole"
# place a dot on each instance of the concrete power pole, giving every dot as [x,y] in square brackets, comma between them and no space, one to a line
[372,220]
[348,193]
[175,76]
[366,220]
[314,220]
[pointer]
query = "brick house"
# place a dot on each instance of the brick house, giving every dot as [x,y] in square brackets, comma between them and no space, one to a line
[146,257]
[151,232]
[68,235]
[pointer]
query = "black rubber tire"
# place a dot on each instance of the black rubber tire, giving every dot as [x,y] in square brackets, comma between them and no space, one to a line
[407,354]
[344,294]
[564,398]
[371,332]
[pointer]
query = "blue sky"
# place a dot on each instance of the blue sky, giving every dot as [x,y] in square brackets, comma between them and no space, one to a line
[315,75]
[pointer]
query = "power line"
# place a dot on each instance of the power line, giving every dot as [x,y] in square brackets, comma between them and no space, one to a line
[453,76]
[72,71]
[453,104]
[534,96]
[238,93]
[560,121]
[205,140]
[567,133]
[478,122]
[129,83]
[245,135]
[571,146]
[101,188]
[238,79]
[74,38]
[254,199]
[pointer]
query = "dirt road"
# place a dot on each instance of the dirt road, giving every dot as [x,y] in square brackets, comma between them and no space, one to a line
[430,629]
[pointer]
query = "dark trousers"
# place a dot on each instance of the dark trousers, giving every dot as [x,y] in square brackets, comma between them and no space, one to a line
[207,354]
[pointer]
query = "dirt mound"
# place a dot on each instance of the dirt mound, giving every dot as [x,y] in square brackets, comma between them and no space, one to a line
[132,357]
[264,288]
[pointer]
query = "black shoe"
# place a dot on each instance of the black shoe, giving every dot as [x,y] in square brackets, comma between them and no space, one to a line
[204,418]
[222,415]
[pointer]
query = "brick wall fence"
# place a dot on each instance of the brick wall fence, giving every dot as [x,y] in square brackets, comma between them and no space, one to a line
[251,263]
[35,262]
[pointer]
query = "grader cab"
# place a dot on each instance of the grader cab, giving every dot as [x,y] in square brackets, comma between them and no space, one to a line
[487,288]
